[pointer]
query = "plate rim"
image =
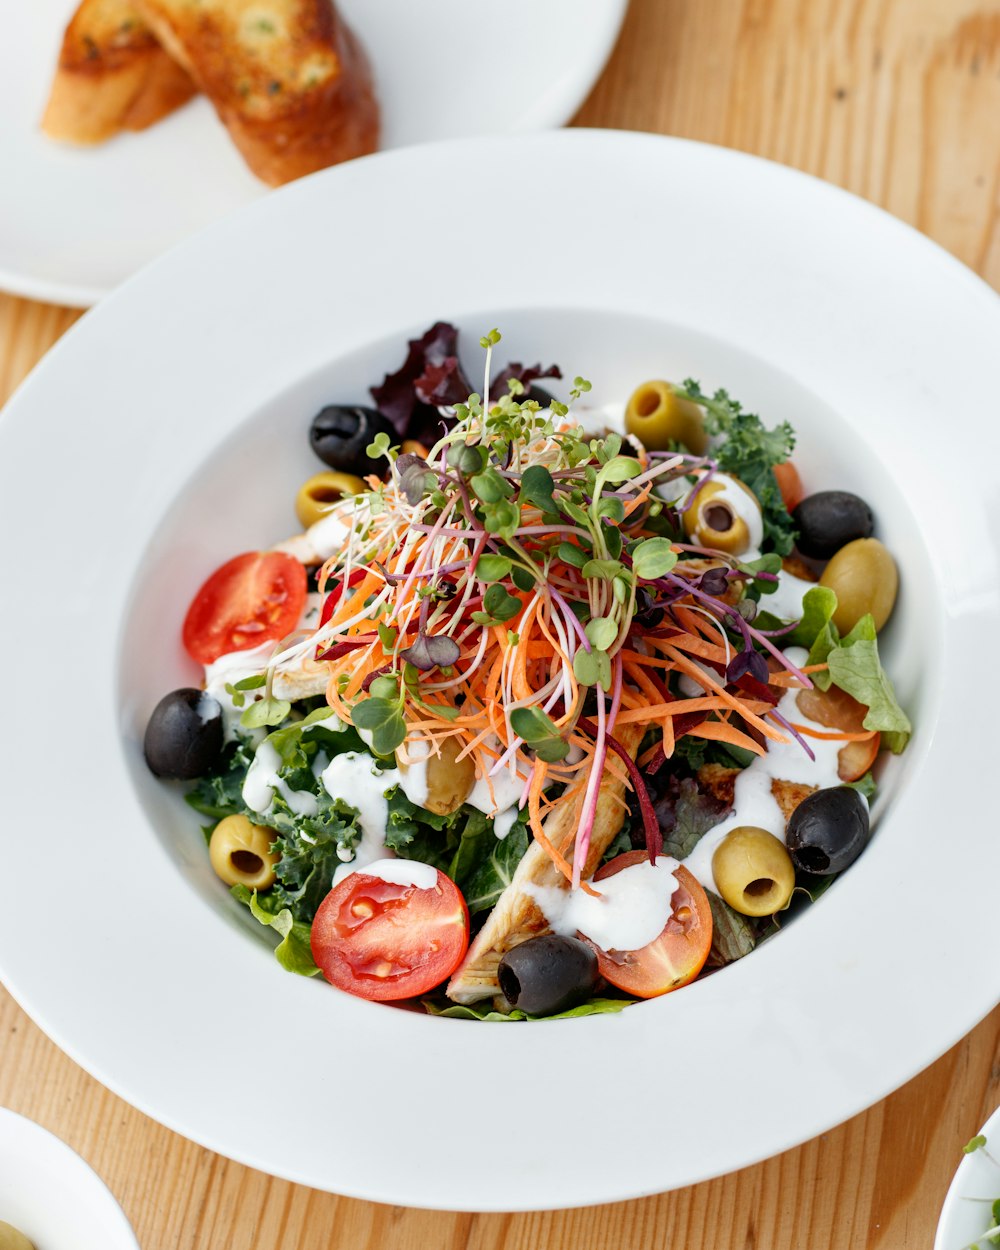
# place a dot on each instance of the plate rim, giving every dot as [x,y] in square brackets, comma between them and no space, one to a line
[567,139]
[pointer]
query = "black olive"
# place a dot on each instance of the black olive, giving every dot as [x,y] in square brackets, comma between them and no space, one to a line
[184,736]
[340,436]
[828,830]
[829,520]
[548,974]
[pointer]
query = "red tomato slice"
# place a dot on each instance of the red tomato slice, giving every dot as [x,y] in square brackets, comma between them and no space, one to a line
[790,484]
[836,709]
[677,955]
[254,598]
[384,941]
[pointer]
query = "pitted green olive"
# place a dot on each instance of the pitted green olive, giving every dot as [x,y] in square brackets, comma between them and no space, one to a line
[753,871]
[712,521]
[12,1238]
[657,416]
[863,577]
[240,852]
[318,495]
[449,779]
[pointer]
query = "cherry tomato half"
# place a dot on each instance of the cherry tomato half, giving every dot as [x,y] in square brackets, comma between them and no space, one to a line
[677,955]
[790,484]
[254,598]
[836,709]
[384,941]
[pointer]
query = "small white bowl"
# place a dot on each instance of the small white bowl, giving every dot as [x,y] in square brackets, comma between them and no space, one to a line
[52,1196]
[965,1216]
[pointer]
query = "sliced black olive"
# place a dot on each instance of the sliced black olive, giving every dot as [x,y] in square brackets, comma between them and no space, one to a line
[548,974]
[828,831]
[829,520]
[184,736]
[340,437]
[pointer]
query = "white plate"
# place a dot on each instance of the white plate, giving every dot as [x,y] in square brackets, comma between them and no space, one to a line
[75,222]
[968,1208]
[167,430]
[52,1196]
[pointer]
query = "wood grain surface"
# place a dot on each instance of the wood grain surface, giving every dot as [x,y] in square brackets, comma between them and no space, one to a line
[898,101]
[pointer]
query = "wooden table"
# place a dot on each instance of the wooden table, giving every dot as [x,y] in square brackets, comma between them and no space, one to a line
[899,101]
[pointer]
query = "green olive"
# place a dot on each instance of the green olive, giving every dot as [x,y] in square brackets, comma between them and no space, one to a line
[658,416]
[317,496]
[449,779]
[863,577]
[240,852]
[711,521]
[12,1239]
[753,871]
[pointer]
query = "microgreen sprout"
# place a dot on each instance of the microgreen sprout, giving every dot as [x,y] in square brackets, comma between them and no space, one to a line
[520,577]
[977,1145]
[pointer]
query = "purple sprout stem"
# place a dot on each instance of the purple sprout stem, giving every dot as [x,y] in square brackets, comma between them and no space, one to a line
[568,615]
[793,731]
[748,631]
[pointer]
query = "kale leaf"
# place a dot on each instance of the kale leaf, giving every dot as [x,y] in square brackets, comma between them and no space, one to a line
[745,447]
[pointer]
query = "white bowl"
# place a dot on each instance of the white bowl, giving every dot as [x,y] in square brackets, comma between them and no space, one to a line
[167,431]
[968,1206]
[48,1193]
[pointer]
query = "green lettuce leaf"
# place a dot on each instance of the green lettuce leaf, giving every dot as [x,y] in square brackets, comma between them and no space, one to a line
[733,935]
[855,667]
[494,874]
[692,815]
[818,607]
[293,952]
[595,1007]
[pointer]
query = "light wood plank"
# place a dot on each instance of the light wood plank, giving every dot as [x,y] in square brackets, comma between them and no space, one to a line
[898,101]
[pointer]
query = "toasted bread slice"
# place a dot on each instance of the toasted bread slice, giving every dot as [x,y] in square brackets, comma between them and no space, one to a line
[516,916]
[287,78]
[112,75]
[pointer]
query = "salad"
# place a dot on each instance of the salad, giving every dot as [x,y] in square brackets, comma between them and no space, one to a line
[534,717]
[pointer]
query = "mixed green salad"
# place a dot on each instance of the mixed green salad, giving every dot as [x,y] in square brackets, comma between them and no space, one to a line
[531,718]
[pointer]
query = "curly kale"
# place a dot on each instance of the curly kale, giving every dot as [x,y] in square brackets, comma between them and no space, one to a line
[745,447]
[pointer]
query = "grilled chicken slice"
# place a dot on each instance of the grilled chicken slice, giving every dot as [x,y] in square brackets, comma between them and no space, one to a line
[516,916]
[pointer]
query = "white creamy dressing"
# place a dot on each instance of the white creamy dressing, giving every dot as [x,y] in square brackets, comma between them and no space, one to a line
[414,775]
[753,802]
[743,506]
[262,783]
[692,689]
[402,872]
[786,601]
[675,489]
[503,822]
[228,670]
[631,910]
[357,779]
[236,665]
[507,787]
[328,535]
